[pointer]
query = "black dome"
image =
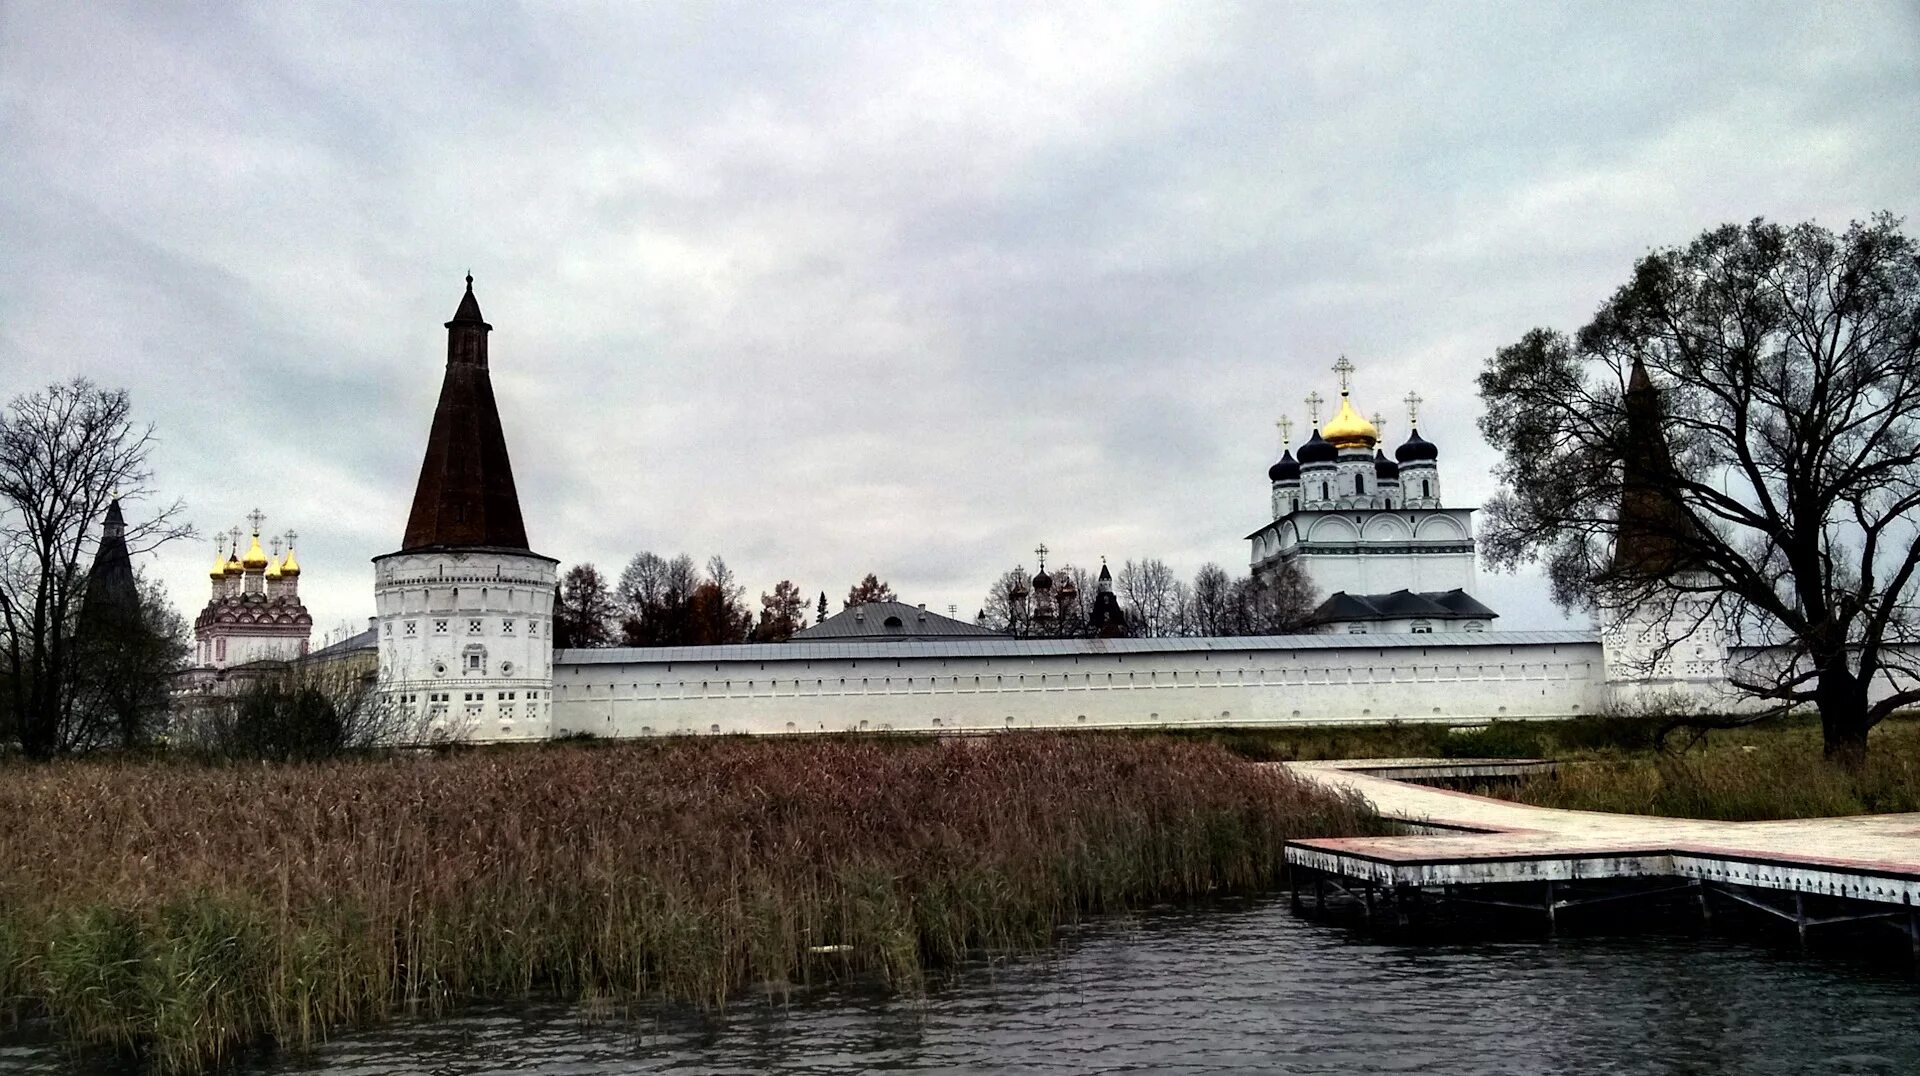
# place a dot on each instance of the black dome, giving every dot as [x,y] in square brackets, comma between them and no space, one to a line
[1385,469]
[1318,450]
[1416,448]
[1042,581]
[1286,469]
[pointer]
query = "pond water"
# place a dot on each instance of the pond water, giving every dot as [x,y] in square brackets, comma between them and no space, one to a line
[1243,988]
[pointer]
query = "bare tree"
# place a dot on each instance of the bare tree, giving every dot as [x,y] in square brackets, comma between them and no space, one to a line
[65,453]
[1151,596]
[1734,442]
[1211,608]
[1007,609]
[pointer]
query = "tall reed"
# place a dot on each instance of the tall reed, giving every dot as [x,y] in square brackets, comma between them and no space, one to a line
[185,910]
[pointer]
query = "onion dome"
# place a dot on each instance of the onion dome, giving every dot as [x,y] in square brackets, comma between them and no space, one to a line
[1286,469]
[289,566]
[219,567]
[1019,591]
[256,557]
[1042,581]
[234,567]
[273,569]
[1317,450]
[1068,591]
[1385,469]
[1416,448]
[1348,429]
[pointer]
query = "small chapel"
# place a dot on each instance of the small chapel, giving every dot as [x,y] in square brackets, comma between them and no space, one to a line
[1367,531]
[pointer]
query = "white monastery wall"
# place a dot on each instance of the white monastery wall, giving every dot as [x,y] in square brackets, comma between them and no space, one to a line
[935,687]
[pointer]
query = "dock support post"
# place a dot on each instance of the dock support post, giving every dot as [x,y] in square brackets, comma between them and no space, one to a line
[1706,910]
[1552,919]
[1399,905]
[1369,902]
[1320,896]
[1800,914]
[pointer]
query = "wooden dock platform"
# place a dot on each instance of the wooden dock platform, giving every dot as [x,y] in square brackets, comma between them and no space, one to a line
[1810,872]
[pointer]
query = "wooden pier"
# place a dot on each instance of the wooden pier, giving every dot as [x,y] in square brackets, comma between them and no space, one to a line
[1474,850]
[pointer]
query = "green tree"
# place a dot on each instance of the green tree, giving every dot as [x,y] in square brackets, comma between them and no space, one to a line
[584,616]
[782,613]
[1734,439]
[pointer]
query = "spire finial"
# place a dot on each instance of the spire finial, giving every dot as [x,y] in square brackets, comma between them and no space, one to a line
[256,517]
[1413,402]
[1041,552]
[1286,431]
[469,280]
[1314,400]
[1345,371]
[1380,423]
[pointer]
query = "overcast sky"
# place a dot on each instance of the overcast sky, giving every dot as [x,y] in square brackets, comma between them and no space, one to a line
[830,289]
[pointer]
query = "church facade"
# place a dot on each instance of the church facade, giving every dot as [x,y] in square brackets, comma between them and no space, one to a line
[465,608]
[1367,531]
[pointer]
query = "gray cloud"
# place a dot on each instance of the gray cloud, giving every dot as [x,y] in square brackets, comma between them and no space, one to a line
[831,289]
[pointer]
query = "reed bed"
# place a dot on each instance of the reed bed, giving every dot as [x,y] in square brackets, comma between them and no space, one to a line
[184,911]
[1769,771]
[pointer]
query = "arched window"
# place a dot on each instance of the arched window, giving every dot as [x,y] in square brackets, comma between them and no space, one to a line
[1323,491]
[1422,627]
[892,622]
[1426,488]
[1359,483]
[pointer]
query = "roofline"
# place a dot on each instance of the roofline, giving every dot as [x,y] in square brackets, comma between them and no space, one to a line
[827,650]
[468,549]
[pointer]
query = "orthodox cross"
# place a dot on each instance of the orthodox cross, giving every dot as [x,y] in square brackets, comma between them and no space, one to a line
[1380,423]
[234,536]
[1041,552]
[1413,402]
[1345,370]
[256,517]
[274,546]
[1286,431]
[290,537]
[1314,400]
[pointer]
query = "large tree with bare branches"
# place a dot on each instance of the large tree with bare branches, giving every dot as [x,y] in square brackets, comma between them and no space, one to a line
[1736,434]
[65,453]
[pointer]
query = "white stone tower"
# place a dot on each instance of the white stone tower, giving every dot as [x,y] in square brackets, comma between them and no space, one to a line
[465,607]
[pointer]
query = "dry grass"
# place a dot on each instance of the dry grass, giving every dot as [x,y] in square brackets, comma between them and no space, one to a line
[186,910]
[1765,772]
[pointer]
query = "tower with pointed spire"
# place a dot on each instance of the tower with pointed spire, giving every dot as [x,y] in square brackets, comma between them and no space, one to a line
[1660,631]
[464,608]
[1369,532]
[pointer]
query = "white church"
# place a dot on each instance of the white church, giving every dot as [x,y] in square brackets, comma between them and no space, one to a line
[465,618]
[1370,532]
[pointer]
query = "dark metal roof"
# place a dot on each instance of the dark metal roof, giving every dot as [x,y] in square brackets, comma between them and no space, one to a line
[465,496]
[1453,604]
[1003,647]
[366,640]
[868,621]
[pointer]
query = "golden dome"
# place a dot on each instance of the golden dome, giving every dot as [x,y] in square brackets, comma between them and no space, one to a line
[219,567]
[256,557]
[1348,430]
[233,564]
[273,569]
[289,566]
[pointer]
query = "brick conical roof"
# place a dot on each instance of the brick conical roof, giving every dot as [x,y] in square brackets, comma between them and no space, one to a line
[466,496]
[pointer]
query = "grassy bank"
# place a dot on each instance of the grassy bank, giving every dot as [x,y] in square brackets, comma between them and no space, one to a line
[186,910]
[1765,772]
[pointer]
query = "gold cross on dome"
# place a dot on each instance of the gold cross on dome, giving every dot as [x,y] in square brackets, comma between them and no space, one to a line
[290,537]
[1345,371]
[256,517]
[1413,402]
[1286,431]
[1314,400]
[1041,552]
[274,547]
[234,534]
